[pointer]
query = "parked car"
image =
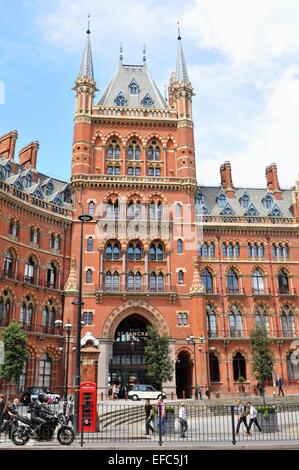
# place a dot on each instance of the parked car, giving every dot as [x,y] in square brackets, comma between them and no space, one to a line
[145,392]
[31,393]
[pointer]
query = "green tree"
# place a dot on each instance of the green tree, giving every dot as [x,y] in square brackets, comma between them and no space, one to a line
[157,357]
[15,347]
[262,356]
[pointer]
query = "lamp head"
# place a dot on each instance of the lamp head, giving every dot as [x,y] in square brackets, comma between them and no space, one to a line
[85,218]
[58,323]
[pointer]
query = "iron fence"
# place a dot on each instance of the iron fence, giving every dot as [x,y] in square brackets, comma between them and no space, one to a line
[126,423]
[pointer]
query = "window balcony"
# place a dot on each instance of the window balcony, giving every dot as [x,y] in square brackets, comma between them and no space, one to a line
[235,291]
[8,274]
[120,290]
[49,329]
[259,292]
[286,292]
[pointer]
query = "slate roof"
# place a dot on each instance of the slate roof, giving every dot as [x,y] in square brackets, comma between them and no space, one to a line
[120,84]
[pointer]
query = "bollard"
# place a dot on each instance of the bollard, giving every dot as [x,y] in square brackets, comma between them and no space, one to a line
[232,410]
[102,396]
[184,394]
[126,395]
[171,395]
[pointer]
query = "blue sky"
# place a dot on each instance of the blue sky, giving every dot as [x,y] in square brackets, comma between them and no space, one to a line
[242,58]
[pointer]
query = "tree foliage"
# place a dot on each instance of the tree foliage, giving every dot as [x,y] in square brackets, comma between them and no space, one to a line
[262,356]
[157,356]
[15,347]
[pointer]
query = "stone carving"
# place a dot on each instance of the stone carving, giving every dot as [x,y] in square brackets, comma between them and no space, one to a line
[196,287]
[89,338]
[71,284]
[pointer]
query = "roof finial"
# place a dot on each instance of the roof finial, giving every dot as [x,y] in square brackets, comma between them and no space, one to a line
[121,52]
[144,54]
[179,31]
[88,25]
[165,92]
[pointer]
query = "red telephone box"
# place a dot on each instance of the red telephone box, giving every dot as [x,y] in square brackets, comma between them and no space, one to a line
[88,407]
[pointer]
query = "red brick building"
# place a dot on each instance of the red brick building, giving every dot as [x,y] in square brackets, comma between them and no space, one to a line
[210,262]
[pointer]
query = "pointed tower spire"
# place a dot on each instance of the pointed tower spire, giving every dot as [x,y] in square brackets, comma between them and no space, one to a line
[86,68]
[121,53]
[144,54]
[181,69]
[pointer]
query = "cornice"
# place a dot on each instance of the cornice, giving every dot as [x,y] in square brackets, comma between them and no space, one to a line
[126,182]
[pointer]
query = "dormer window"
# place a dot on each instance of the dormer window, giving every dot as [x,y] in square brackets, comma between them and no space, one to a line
[120,100]
[268,201]
[133,87]
[147,101]
[245,201]
[221,200]
[27,181]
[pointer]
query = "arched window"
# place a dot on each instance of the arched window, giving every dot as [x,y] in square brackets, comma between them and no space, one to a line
[134,251]
[258,282]
[134,211]
[245,201]
[230,250]
[134,281]
[287,322]
[88,276]
[261,318]
[249,249]
[157,171]
[134,150]
[178,210]
[232,282]
[90,244]
[292,366]
[112,210]
[262,251]
[160,282]
[286,251]
[280,250]
[26,316]
[212,250]
[211,321]
[137,282]
[207,281]
[237,250]
[224,250]
[91,208]
[235,322]
[199,249]
[214,367]
[113,151]
[108,281]
[205,250]
[120,100]
[14,228]
[255,250]
[151,171]
[179,246]
[45,369]
[115,281]
[9,264]
[153,281]
[30,271]
[108,251]
[283,282]
[34,235]
[181,277]
[52,276]
[55,242]
[133,87]
[274,250]
[112,251]
[239,367]
[156,251]
[268,201]
[150,153]
[6,306]
[221,201]
[48,318]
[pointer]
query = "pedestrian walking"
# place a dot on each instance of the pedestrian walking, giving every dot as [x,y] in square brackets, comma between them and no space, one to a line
[115,391]
[241,417]
[162,415]
[253,417]
[208,392]
[70,410]
[280,385]
[148,408]
[261,388]
[2,406]
[183,419]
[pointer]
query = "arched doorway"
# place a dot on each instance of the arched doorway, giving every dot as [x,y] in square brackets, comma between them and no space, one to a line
[127,366]
[183,372]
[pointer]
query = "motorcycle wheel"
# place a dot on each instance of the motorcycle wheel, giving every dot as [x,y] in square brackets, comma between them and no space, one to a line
[19,437]
[65,435]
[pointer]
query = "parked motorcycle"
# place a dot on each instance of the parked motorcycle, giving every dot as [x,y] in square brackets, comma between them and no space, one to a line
[24,429]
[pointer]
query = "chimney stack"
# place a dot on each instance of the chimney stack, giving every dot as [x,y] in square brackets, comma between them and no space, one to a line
[226,180]
[28,155]
[8,144]
[272,181]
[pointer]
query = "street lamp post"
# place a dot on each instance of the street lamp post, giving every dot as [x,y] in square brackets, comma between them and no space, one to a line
[191,340]
[67,328]
[82,218]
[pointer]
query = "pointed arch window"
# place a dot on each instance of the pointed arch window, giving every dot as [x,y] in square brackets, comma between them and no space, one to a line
[262,318]
[214,367]
[179,246]
[239,367]
[221,201]
[232,282]
[268,201]
[26,315]
[9,262]
[14,227]
[90,244]
[211,321]
[30,271]
[88,278]
[133,87]
[258,282]
[181,276]
[120,100]
[108,281]
[235,322]
[156,251]
[6,306]
[52,276]
[245,201]
[91,208]
[147,101]
[283,282]
[45,369]
[48,318]
[207,280]
[287,322]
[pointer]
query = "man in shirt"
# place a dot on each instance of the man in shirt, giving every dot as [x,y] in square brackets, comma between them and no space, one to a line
[183,419]
[253,416]
[241,417]
[162,415]
[148,408]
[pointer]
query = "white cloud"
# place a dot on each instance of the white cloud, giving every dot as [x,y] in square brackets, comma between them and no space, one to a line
[243,68]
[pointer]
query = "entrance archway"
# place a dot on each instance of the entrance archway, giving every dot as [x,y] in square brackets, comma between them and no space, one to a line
[183,372]
[127,366]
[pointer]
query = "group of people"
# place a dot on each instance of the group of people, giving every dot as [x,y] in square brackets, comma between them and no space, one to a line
[162,415]
[116,391]
[8,409]
[251,412]
[279,383]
